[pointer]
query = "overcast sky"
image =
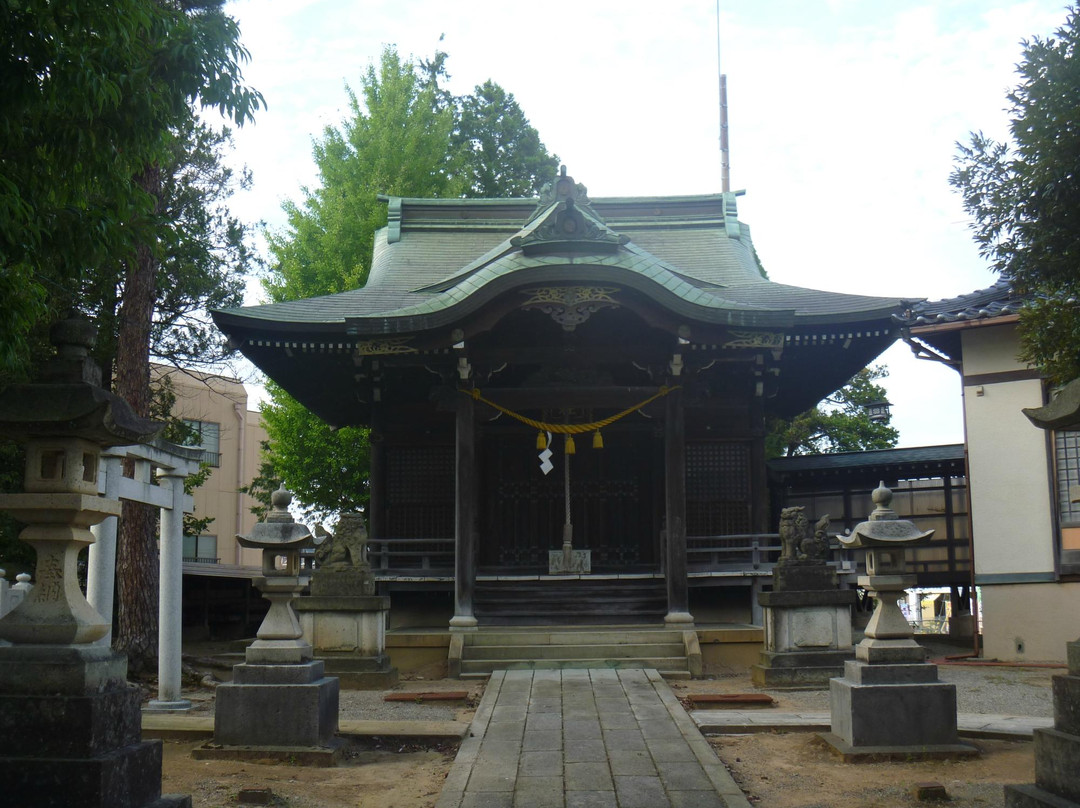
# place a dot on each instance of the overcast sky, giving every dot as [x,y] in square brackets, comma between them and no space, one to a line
[844,115]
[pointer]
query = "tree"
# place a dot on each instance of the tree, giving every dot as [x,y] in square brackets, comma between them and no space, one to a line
[329,477]
[839,423]
[98,123]
[501,151]
[1024,198]
[406,136]
[92,93]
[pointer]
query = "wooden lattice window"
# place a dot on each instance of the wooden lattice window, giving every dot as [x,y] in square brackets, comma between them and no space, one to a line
[420,492]
[717,488]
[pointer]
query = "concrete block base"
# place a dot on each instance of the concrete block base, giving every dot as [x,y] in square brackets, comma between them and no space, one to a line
[810,670]
[894,711]
[318,756]
[70,732]
[361,673]
[870,754]
[1057,763]
[277,706]
[1030,796]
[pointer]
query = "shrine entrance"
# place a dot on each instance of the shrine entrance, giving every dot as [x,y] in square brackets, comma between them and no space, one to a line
[616,500]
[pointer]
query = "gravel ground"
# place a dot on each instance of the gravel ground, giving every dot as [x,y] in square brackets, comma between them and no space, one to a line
[1006,690]
[988,689]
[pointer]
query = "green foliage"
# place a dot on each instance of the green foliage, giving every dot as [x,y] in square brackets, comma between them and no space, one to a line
[394,142]
[501,151]
[327,470]
[840,423]
[405,136]
[1024,198]
[93,93]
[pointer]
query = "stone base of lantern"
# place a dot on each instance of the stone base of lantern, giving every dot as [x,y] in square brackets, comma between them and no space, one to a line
[275,707]
[70,731]
[1057,750]
[894,712]
[348,634]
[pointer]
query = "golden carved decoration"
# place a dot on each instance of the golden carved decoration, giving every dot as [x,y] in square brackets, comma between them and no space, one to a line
[754,339]
[380,347]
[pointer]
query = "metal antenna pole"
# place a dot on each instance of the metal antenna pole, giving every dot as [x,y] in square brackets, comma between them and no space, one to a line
[725,160]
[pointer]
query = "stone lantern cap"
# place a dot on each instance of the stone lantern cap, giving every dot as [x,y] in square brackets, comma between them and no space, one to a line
[1063,411]
[68,400]
[279,531]
[883,528]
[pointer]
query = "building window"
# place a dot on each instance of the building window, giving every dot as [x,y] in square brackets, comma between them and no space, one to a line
[205,435]
[202,549]
[1067,465]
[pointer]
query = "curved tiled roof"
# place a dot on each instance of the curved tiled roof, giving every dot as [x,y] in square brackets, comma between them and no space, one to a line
[689,251]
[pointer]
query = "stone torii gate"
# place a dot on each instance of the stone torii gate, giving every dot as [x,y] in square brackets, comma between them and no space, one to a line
[171,464]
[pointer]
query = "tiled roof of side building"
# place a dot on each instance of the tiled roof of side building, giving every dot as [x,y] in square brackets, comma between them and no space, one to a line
[949,453]
[994,301]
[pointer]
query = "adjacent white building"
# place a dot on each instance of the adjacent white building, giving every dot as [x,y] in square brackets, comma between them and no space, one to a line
[1026,529]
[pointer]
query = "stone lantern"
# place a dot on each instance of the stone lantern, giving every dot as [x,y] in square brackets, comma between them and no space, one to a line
[280,638]
[889,703]
[78,738]
[64,419]
[888,635]
[279,704]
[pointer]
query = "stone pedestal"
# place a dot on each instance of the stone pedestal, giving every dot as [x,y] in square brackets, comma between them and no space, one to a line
[277,705]
[894,711]
[70,732]
[1057,750]
[348,633]
[807,628]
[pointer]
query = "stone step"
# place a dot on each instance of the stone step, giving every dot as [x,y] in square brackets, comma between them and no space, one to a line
[589,636]
[634,650]
[471,666]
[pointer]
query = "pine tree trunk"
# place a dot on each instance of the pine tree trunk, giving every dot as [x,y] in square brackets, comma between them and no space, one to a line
[136,628]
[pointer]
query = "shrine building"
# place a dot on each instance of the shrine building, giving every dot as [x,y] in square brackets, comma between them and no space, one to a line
[567,394]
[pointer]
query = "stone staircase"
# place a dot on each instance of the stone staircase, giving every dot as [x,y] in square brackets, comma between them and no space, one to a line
[673,652]
[590,600]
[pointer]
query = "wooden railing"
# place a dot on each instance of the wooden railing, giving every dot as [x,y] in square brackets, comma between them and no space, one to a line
[412,556]
[750,553]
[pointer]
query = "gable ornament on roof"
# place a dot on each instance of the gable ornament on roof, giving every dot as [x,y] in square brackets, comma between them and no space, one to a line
[565,221]
[570,306]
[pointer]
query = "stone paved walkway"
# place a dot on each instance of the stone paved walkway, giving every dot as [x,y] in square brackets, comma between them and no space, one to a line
[585,739]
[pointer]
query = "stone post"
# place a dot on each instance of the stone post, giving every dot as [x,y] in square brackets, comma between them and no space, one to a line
[170,596]
[890,704]
[101,572]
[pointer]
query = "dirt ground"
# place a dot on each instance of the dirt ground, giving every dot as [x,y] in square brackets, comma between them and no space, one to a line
[797,770]
[775,770]
[369,778]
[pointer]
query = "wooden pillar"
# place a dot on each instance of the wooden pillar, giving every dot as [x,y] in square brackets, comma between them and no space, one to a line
[675,501]
[465,516]
[377,476]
